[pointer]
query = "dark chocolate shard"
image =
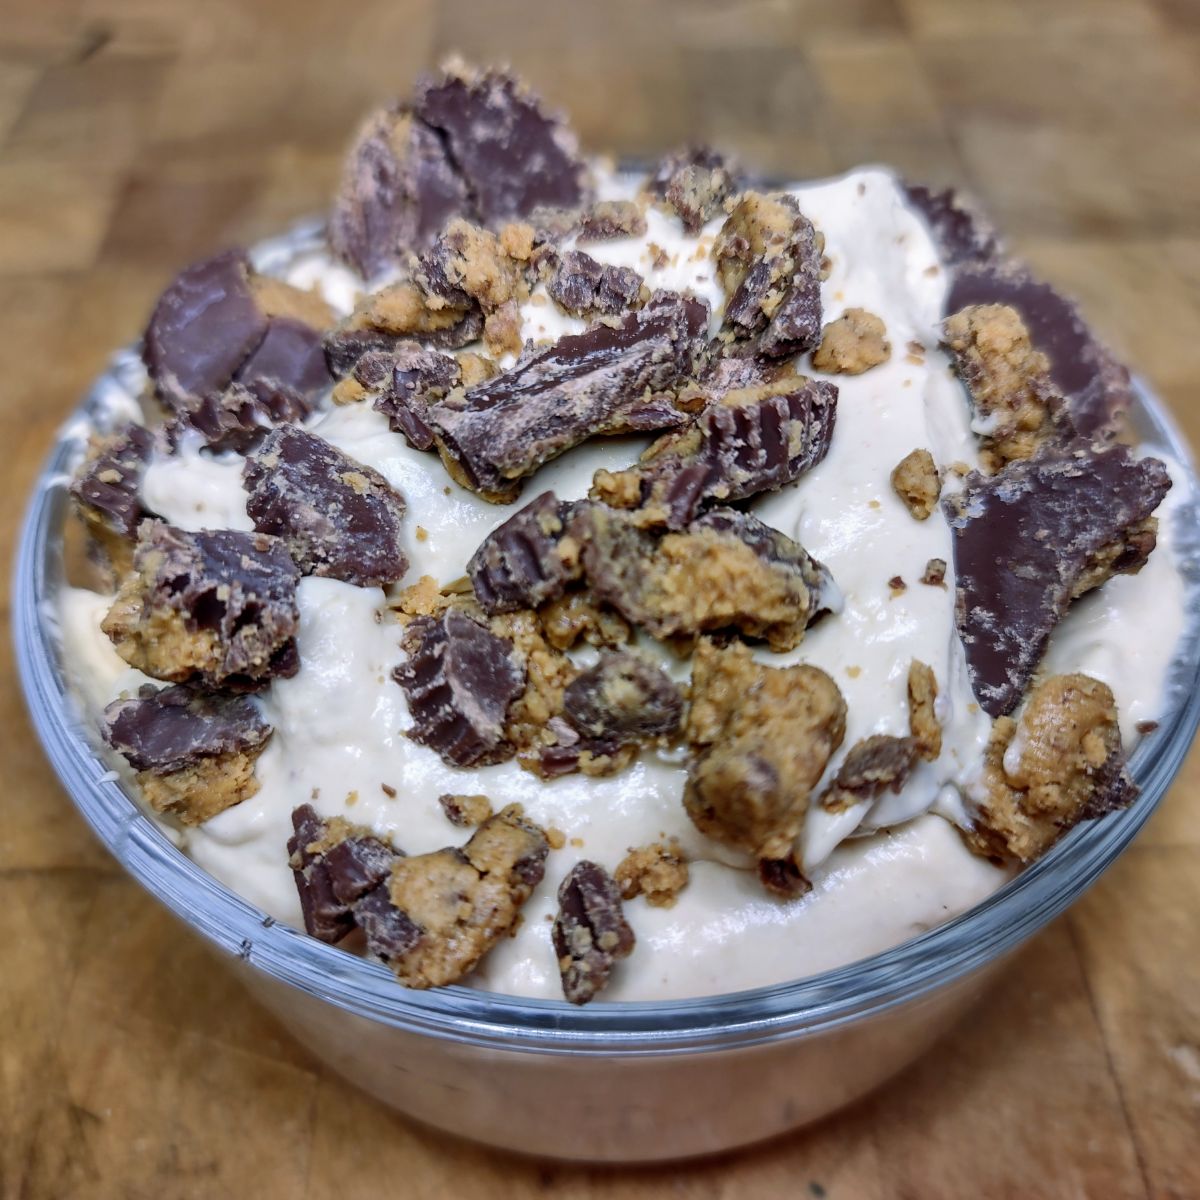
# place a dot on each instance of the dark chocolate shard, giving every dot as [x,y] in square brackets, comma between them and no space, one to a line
[344,347]
[203,328]
[398,189]
[460,680]
[289,359]
[339,519]
[581,285]
[336,867]
[625,698]
[1032,538]
[874,765]
[694,183]
[518,564]
[604,380]
[590,931]
[726,570]
[165,729]
[609,219]
[960,231]
[217,606]
[513,156]
[752,440]
[389,931]
[770,261]
[783,877]
[1097,387]
[218,323]
[419,377]
[106,487]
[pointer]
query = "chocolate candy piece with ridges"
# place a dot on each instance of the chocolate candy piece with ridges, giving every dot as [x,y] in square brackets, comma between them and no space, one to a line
[398,189]
[602,381]
[1097,387]
[1030,539]
[460,680]
[216,606]
[165,729]
[960,231]
[726,570]
[770,261]
[336,867]
[217,322]
[694,184]
[750,441]
[339,519]
[624,698]
[445,910]
[418,378]
[203,328]
[513,156]
[872,766]
[580,285]
[106,486]
[609,219]
[590,932]
[518,564]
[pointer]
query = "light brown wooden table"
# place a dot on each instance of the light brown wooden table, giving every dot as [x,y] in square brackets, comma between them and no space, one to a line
[137,133]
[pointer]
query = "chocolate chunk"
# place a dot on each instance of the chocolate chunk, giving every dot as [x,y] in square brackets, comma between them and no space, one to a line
[338,518]
[460,680]
[106,486]
[608,219]
[344,347]
[1097,387]
[518,564]
[398,188]
[783,877]
[694,184]
[770,261]
[601,381]
[513,156]
[166,729]
[418,378]
[581,285]
[217,606]
[440,913]
[219,322]
[961,233]
[590,931]
[876,764]
[1030,539]
[753,440]
[204,327]
[290,359]
[623,698]
[726,570]
[761,738]
[336,866]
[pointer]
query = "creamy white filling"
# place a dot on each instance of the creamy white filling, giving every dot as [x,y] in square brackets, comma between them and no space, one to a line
[339,723]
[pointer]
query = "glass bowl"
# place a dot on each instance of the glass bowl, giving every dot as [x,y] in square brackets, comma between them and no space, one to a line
[610,1082]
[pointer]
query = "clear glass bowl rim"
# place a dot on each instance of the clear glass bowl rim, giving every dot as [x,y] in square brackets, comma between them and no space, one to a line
[932,960]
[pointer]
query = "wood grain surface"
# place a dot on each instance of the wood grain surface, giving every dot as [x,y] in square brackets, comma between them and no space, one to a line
[137,133]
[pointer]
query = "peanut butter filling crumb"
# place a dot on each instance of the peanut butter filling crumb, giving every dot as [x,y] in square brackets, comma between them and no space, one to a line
[916,481]
[761,738]
[923,724]
[202,789]
[1060,763]
[1008,379]
[854,343]
[656,871]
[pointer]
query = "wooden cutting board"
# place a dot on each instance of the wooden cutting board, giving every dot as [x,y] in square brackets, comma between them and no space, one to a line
[137,133]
